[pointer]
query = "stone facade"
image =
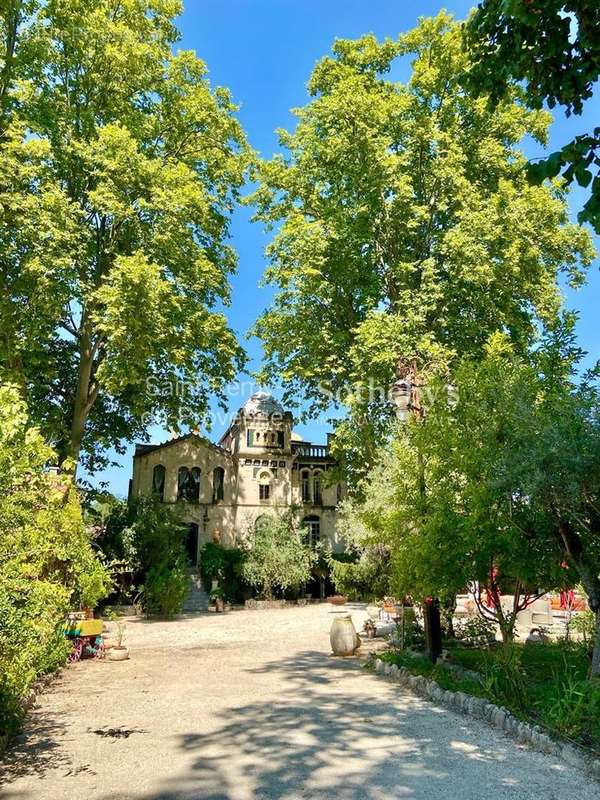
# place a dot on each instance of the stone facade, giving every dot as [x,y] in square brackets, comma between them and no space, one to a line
[260,466]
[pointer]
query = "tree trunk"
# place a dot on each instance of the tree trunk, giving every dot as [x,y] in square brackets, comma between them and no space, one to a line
[588,573]
[596,653]
[84,396]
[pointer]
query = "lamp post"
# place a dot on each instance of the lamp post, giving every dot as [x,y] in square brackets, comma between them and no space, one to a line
[407,397]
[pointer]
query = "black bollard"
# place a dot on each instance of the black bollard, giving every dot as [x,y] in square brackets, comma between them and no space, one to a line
[433,628]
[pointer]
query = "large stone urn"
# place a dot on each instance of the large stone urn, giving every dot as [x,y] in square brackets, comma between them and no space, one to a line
[343,636]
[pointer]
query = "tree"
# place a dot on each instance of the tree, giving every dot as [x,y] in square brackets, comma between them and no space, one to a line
[123,166]
[512,470]
[554,48]
[407,230]
[278,555]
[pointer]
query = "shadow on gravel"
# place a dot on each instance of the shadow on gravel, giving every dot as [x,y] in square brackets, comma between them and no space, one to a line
[33,753]
[312,741]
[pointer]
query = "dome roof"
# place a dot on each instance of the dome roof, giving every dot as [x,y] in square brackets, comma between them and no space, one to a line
[262,403]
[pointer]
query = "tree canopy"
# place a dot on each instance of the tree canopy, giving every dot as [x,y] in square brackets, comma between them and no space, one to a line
[121,167]
[553,47]
[406,228]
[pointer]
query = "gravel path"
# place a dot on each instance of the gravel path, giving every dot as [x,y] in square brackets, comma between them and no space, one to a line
[250,705]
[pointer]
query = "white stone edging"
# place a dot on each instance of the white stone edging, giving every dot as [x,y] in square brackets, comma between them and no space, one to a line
[497,716]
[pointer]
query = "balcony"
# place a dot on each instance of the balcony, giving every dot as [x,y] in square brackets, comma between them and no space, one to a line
[308,450]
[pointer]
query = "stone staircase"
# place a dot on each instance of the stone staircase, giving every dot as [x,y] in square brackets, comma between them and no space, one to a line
[197,599]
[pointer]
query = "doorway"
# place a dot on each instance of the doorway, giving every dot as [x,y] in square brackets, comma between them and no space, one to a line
[191,544]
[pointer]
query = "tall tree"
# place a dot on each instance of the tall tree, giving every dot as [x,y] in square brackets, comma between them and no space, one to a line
[407,230]
[131,163]
[553,46]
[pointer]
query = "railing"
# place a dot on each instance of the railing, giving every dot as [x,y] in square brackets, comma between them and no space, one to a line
[309,450]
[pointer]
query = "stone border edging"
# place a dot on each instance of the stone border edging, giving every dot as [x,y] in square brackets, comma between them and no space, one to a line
[497,716]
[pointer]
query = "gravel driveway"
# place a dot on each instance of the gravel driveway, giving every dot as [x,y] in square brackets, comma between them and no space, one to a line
[250,705]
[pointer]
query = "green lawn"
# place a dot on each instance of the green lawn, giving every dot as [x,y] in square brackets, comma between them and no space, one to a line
[543,683]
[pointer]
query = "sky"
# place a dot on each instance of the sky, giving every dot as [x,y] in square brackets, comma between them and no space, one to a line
[264,52]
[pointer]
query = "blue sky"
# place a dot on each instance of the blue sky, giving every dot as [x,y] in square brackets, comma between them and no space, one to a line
[264,51]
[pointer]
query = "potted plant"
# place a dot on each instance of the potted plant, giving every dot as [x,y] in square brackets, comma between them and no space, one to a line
[118,651]
[217,595]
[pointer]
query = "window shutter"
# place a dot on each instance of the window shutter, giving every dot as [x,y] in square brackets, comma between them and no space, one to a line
[249,438]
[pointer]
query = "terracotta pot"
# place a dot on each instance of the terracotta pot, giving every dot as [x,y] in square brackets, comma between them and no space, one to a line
[118,653]
[343,637]
[337,600]
[219,604]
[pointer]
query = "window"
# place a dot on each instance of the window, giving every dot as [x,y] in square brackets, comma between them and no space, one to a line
[249,438]
[194,485]
[159,474]
[264,485]
[312,526]
[183,476]
[317,493]
[305,486]
[218,484]
[188,484]
[280,439]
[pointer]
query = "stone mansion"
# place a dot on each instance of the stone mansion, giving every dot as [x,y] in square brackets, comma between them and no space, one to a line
[260,466]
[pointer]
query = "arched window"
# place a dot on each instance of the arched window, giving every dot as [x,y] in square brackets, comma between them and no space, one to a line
[194,485]
[305,486]
[317,489]
[312,526]
[264,486]
[183,478]
[218,485]
[188,484]
[159,474]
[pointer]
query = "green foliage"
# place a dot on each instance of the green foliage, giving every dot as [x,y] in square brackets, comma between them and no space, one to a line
[47,565]
[365,578]
[165,587]
[542,683]
[422,665]
[404,226]
[144,540]
[585,624]
[277,555]
[475,631]
[121,166]
[500,476]
[504,680]
[554,48]
[225,565]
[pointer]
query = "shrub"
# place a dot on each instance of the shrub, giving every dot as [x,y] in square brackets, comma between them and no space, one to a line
[475,631]
[225,565]
[504,679]
[47,564]
[165,588]
[365,575]
[584,623]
